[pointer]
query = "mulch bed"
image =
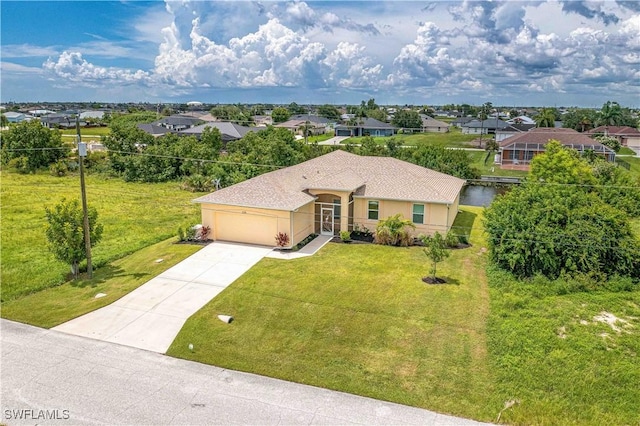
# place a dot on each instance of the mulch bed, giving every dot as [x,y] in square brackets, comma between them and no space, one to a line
[430,280]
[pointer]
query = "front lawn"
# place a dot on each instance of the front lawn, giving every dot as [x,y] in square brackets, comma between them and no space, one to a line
[134,216]
[53,306]
[358,318]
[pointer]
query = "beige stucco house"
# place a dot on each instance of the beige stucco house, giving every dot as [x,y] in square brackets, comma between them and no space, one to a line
[330,193]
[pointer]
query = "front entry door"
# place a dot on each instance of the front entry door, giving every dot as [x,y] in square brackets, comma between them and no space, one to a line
[326,221]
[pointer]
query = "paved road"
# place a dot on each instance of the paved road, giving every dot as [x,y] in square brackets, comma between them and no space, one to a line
[151,316]
[85,382]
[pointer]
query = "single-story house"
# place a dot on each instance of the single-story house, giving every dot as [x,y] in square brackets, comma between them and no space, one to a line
[314,124]
[153,129]
[484,127]
[521,119]
[517,151]
[512,130]
[62,120]
[333,192]
[177,122]
[16,117]
[366,127]
[628,136]
[431,125]
[229,131]
[460,121]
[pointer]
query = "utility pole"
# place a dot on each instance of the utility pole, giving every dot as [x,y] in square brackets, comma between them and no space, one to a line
[82,152]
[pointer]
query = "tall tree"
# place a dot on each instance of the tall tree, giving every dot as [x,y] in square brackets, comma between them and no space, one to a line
[329,111]
[38,145]
[280,114]
[546,118]
[407,119]
[65,232]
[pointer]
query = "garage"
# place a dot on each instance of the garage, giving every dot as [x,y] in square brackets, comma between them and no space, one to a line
[246,227]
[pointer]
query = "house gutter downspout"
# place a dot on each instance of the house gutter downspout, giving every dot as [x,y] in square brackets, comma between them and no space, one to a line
[448,210]
[291,228]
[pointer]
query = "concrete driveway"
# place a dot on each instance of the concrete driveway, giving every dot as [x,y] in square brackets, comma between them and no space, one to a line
[151,316]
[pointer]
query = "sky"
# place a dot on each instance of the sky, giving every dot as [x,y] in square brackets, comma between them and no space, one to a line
[510,53]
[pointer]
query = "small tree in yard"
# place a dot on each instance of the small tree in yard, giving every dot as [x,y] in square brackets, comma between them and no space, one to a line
[435,249]
[65,234]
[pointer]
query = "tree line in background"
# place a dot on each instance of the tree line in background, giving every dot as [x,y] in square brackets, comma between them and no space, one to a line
[202,163]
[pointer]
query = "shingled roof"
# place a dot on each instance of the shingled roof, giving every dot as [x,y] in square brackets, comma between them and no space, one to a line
[542,135]
[382,178]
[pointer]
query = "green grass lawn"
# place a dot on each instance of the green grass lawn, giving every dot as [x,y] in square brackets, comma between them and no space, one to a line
[88,134]
[634,165]
[358,318]
[134,216]
[626,151]
[55,305]
[453,138]
[563,366]
[488,168]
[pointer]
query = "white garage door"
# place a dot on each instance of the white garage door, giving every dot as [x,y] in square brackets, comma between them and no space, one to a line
[246,228]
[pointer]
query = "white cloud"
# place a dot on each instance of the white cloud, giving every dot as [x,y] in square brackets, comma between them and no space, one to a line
[71,66]
[484,49]
[27,50]
[12,68]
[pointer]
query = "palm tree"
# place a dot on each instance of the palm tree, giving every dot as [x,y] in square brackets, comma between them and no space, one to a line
[610,115]
[546,118]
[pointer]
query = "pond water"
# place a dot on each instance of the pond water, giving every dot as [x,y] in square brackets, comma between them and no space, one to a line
[479,195]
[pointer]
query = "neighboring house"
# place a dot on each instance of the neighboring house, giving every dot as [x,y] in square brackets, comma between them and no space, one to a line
[229,131]
[431,125]
[327,194]
[315,124]
[177,122]
[366,127]
[200,115]
[460,121]
[263,120]
[628,136]
[64,120]
[98,115]
[153,129]
[486,127]
[512,130]
[16,117]
[40,112]
[517,152]
[521,119]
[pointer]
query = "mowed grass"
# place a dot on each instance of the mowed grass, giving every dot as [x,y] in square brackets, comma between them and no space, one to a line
[550,353]
[488,167]
[134,216]
[56,305]
[358,318]
[87,134]
[454,138]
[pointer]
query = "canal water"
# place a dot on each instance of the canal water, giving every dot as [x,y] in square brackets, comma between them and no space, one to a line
[478,195]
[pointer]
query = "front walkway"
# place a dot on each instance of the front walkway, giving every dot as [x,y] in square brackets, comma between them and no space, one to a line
[89,382]
[151,316]
[308,250]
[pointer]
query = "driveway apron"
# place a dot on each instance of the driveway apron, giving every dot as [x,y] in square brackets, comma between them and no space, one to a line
[151,316]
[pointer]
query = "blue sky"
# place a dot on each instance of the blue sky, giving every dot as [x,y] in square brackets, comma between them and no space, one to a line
[542,52]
